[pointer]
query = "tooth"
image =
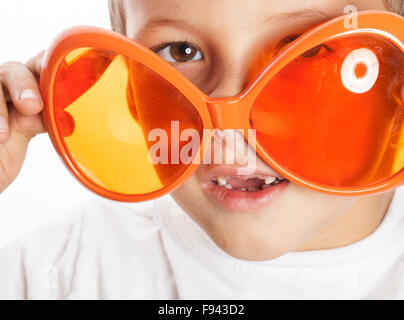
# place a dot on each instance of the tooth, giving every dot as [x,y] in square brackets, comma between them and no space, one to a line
[252,189]
[243,189]
[228,187]
[270,180]
[221,181]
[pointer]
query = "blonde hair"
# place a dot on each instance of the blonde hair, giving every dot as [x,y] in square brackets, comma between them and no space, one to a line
[118,23]
[117,15]
[396,6]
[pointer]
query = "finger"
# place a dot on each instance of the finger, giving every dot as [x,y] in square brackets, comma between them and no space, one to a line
[22,87]
[29,125]
[35,64]
[4,127]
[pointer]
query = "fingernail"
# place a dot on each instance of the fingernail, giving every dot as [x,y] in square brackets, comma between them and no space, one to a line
[3,125]
[29,95]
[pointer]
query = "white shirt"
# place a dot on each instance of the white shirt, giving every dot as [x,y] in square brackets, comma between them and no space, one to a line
[109,251]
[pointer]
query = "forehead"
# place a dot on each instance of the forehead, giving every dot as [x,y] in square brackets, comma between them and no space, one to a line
[230,14]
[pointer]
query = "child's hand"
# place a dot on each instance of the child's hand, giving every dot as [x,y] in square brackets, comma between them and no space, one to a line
[20,121]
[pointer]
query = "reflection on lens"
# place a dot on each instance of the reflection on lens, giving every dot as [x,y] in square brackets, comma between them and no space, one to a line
[360,70]
[105,106]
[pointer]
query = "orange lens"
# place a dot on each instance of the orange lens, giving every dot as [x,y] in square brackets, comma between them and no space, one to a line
[334,116]
[107,107]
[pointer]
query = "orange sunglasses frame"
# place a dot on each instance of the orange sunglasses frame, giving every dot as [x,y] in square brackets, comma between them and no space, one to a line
[218,113]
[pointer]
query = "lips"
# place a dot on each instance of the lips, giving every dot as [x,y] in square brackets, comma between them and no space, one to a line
[243,189]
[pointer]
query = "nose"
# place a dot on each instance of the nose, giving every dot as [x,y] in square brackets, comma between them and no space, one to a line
[230,84]
[230,71]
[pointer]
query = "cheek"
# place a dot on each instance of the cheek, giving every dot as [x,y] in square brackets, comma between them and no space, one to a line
[302,213]
[301,203]
[189,196]
[200,73]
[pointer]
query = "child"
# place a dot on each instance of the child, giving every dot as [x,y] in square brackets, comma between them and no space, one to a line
[301,244]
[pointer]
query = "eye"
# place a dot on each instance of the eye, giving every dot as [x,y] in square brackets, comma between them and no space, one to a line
[176,52]
[316,51]
[281,45]
[360,70]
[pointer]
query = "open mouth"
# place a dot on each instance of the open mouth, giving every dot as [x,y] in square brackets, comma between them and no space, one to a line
[244,189]
[246,183]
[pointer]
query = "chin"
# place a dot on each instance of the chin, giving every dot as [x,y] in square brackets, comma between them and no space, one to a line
[240,235]
[245,243]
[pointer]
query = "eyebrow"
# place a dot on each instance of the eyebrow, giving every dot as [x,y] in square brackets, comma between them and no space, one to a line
[309,14]
[165,22]
[299,14]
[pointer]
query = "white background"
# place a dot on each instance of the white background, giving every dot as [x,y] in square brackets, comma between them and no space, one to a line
[44,191]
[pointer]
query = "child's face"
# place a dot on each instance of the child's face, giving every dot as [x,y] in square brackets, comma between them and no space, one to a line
[222,38]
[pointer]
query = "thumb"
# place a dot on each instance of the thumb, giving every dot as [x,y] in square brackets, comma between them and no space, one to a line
[35,63]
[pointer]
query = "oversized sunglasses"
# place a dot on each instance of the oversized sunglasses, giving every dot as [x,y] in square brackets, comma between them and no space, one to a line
[327,110]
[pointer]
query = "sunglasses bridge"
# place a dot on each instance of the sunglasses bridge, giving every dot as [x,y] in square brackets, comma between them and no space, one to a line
[228,113]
